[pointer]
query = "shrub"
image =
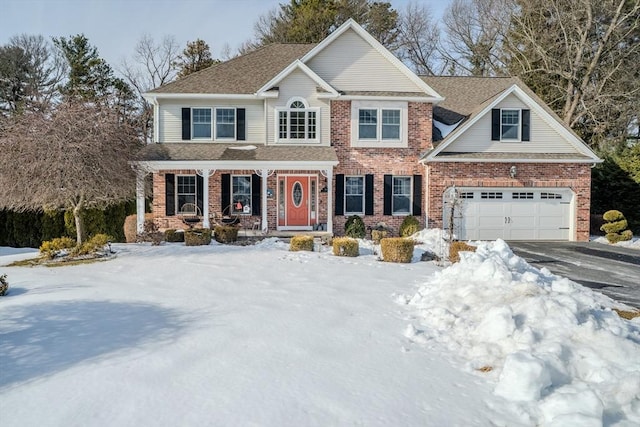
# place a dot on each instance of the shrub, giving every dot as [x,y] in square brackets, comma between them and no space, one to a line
[4,285]
[93,245]
[615,227]
[130,227]
[172,235]
[50,248]
[377,235]
[226,233]
[397,249]
[410,225]
[354,227]
[345,246]
[456,247]
[197,236]
[301,243]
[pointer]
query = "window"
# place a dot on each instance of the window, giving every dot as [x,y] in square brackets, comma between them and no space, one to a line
[369,127]
[201,122]
[523,195]
[186,190]
[354,195]
[547,196]
[490,195]
[379,124]
[466,195]
[401,199]
[510,125]
[225,123]
[241,194]
[297,122]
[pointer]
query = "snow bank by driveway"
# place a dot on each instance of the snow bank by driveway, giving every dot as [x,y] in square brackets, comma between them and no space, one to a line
[554,348]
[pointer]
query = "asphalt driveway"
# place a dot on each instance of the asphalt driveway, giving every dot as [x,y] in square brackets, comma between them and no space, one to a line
[612,270]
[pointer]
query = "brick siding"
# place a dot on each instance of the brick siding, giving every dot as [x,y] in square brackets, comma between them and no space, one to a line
[577,177]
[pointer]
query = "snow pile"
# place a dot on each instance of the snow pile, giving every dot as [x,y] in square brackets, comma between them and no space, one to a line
[553,349]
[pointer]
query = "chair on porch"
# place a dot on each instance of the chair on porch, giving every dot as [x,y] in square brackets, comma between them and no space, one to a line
[190,214]
[228,217]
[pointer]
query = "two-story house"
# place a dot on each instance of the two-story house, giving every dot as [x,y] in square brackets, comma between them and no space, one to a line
[302,136]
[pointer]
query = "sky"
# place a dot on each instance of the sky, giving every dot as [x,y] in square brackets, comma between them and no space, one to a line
[115,26]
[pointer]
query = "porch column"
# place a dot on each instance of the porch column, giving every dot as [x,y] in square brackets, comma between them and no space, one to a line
[205,174]
[140,175]
[264,174]
[329,173]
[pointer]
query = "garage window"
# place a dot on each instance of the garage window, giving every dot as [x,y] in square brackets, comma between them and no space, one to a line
[522,196]
[550,196]
[466,195]
[491,195]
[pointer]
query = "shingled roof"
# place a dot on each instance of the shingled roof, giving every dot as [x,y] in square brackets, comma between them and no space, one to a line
[241,75]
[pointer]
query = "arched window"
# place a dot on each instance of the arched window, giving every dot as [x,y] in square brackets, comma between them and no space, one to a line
[297,121]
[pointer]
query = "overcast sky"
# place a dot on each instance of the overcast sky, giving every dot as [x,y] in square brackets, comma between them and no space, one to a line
[115,26]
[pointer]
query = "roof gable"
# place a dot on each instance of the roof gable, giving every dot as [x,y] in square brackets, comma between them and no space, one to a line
[350,59]
[572,144]
[297,65]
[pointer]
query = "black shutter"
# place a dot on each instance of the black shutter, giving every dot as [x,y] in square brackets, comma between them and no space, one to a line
[417,195]
[388,194]
[256,194]
[225,193]
[339,194]
[495,124]
[170,194]
[368,194]
[526,125]
[199,193]
[241,133]
[186,123]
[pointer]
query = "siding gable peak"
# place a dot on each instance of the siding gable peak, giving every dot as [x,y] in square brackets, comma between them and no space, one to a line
[485,110]
[297,65]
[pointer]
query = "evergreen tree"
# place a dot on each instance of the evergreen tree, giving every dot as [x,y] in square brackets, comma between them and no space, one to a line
[195,57]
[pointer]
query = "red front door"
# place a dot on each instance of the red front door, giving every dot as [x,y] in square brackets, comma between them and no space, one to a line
[297,199]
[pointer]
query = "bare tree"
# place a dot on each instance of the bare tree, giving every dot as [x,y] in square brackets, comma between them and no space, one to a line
[151,66]
[582,57]
[73,158]
[418,39]
[474,36]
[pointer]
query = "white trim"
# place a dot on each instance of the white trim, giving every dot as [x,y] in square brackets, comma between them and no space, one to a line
[296,141]
[351,24]
[519,126]
[214,120]
[506,160]
[527,100]
[364,195]
[378,142]
[430,99]
[297,64]
[158,165]
[393,213]
[192,123]
[159,96]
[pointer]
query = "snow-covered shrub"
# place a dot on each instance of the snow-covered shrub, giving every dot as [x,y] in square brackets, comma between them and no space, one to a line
[93,245]
[456,247]
[301,243]
[354,227]
[345,246]
[225,233]
[616,227]
[397,249]
[4,285]
[50,248]
[410,225]
[197,236]
[173,235]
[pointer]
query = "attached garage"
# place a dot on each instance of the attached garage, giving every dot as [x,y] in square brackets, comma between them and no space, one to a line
[489,213]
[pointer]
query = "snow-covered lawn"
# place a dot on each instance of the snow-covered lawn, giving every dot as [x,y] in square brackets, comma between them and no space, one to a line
[260,336]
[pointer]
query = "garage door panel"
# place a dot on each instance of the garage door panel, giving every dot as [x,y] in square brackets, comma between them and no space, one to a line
[521,214]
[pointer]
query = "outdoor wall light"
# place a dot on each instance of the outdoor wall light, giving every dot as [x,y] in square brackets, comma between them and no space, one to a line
[513,171]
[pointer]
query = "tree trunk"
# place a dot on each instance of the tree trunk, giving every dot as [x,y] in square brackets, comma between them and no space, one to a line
[77,215]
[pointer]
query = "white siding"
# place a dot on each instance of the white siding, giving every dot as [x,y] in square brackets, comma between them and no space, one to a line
[171,118]
[349,63]
[298,84]
[544,138]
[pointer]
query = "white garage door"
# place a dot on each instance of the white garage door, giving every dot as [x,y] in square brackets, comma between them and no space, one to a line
[512,214]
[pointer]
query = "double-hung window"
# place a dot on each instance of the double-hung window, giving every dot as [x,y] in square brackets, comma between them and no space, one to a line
[241,194]
[509,125]
[401,197]
[297,122]
[225,123]
[186,190]
[354,195]
[201,123]
[379,124]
